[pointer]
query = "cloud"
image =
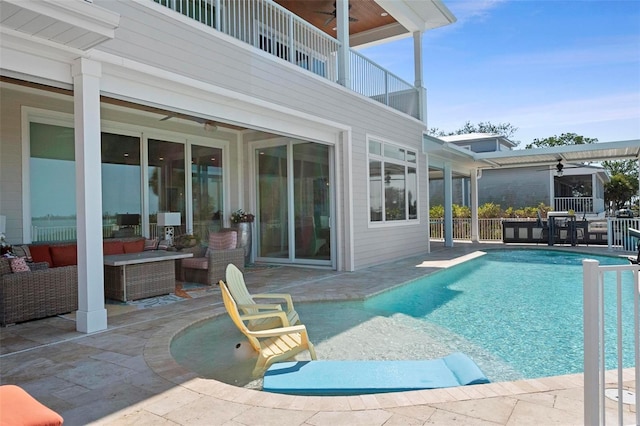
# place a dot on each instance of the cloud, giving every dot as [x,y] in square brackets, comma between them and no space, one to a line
[621,51]
[467,10]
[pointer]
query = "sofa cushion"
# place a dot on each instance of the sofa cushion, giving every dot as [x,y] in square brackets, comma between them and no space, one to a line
[196,263]
[17,407]
[41,253]
[18,264]
[133,246]
[112,247]
[64,255]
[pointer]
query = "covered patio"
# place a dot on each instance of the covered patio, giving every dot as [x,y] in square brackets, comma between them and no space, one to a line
[446,160]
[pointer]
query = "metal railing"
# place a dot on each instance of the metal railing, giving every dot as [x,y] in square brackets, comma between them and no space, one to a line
[577,204]
[597,337]
[618,236]
[272,28]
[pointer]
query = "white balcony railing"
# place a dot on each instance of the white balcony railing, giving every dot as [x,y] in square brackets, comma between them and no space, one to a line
[606,346]
[272,28]
[577,204]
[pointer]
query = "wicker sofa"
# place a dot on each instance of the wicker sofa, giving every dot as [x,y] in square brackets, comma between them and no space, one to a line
[40,293]
[51,287]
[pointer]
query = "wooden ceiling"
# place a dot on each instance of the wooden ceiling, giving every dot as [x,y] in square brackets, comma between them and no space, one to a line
[318,12]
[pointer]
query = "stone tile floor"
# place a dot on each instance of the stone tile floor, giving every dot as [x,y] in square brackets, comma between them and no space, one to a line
[126,375]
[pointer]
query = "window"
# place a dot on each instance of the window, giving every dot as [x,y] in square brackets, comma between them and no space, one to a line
[53,181]
[393,183]
[121,191]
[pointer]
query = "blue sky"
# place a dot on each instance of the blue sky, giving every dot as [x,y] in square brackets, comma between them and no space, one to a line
[547,67]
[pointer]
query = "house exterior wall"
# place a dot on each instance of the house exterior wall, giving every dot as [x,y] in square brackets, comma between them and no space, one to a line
[161,58]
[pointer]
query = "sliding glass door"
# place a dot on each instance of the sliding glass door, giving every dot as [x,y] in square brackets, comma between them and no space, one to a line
[294,203]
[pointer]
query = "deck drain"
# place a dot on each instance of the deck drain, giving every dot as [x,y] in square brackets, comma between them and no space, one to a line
[628,397]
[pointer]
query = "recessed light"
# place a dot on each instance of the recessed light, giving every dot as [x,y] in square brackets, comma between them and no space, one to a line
[126,154]
[384,14]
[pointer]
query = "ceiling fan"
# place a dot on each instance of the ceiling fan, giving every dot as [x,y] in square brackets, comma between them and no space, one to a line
[332,15]
[560,167]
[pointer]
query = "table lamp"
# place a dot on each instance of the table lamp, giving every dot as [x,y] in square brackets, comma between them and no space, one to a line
[168,221]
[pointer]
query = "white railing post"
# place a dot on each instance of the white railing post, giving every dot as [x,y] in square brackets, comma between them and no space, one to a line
[591,292]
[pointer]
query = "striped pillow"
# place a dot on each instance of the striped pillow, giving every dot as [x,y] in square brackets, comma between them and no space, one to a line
[222,241]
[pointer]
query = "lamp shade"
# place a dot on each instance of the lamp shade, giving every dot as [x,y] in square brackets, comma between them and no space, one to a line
[169,219]
[3,224]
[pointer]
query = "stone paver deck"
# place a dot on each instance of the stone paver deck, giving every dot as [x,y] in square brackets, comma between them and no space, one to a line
[126,374]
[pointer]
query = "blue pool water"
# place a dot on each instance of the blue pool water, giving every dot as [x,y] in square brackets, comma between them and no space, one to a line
[516,313]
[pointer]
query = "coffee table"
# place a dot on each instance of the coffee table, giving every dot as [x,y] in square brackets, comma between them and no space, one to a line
[134,276]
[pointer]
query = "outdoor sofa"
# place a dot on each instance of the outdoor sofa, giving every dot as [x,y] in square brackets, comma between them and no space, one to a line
[50,287]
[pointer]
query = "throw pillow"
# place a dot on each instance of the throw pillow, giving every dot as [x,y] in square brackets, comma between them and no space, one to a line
[41,253]
[151,244]
[222,241]
[66,255]
[22,251]
[164,245]
[18,264]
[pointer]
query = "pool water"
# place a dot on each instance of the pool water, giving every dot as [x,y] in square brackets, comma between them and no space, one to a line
[516,313]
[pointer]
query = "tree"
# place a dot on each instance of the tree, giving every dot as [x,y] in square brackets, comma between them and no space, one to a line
[619,190]
[504,129]
[563,139]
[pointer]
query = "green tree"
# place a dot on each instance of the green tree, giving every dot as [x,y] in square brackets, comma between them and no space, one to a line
[504,129]
[563,139]
[619,190]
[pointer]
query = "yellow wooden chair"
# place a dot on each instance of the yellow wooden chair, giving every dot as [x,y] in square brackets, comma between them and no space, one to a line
[272,345]
[248,306]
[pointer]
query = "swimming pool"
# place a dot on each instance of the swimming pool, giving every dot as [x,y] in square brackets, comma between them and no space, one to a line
[516,313]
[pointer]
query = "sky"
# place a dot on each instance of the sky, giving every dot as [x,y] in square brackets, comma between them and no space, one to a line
[546,67]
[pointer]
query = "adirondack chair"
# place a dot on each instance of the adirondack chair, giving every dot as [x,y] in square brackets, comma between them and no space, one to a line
[272,345]
[247,304]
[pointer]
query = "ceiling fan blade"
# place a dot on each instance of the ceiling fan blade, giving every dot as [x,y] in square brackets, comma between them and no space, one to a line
[329,20]
[352,19]
[323,12]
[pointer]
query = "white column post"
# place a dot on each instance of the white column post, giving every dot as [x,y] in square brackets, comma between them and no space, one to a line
[419,71]
[91,315]
[342,24]
[475,234]
[448,206]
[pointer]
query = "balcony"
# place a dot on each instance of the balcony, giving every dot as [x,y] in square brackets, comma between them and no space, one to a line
[270,27]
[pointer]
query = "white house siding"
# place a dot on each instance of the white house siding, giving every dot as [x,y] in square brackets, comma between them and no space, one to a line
[172,43]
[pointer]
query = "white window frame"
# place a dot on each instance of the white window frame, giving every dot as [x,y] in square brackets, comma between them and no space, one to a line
[406,164]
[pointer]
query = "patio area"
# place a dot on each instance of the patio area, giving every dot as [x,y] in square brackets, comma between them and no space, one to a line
[126,374]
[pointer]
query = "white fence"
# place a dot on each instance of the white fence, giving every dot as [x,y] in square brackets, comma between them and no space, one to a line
[598,382]
[270,27]
[488,229]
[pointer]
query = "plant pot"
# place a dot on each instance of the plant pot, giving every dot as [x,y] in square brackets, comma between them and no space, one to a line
[244,238]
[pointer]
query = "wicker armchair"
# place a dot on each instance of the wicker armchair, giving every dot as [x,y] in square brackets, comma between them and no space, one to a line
[37,294]
[210,268]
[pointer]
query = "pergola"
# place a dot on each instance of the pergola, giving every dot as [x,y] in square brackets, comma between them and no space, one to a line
[446,159]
